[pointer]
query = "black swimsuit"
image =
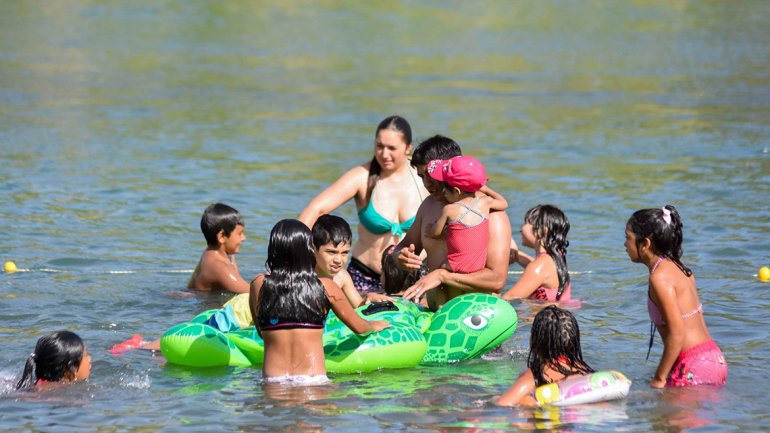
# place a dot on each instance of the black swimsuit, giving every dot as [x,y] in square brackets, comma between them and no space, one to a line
[273,323]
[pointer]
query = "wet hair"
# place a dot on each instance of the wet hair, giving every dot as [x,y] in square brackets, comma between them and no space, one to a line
[291,291]
[551,226]
[555,334]
[219,217]
[396,279]
[436,147]
[331,228]
[393,123]
[665,236]
[56,356]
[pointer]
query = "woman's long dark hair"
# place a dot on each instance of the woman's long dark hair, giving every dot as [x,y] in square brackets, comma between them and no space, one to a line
[555,335]
[551,225]
[663,226]
[394,123]
[56,355]
[291,290]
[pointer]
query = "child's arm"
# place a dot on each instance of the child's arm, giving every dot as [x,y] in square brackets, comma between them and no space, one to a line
[496,201]
[663,294]
[516,256]
[520,393]
[533,277]
[345,282]
[345,312]
[437,229]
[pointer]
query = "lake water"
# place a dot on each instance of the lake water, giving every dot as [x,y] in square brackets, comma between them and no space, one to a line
[121,121]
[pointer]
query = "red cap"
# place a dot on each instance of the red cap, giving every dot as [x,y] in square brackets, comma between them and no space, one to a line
[463,172]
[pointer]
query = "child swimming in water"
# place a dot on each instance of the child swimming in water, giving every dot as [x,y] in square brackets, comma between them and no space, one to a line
[222,226]
[58,357]
[332,239]
[545,277]
[465,215]
[289,305]
[554,355]
[690,355]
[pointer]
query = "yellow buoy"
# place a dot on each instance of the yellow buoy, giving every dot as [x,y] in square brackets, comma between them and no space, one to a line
[764,274]
[10,267]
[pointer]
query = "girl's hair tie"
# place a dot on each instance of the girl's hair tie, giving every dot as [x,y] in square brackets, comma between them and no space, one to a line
[32,355]
[666,215]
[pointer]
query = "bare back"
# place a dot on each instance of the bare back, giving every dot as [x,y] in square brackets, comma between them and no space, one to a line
[676,295]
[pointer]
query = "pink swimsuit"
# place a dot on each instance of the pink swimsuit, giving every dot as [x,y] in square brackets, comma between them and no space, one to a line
[467,244]
[547,294]
[702,364]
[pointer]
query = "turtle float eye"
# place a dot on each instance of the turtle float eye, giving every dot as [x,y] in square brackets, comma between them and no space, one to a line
[475,322]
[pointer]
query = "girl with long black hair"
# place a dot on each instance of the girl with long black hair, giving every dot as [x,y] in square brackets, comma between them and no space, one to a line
[289,305]
[690,356]
[60,356]
[554,355]
[546,276]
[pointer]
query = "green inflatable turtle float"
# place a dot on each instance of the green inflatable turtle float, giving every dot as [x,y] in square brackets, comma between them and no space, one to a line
[464,328]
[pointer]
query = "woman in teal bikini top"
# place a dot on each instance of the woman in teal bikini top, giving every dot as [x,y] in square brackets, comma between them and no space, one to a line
[379,225]
[387,193]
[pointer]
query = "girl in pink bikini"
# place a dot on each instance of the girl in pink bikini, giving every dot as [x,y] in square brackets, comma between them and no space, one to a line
[690,355]
[546,276]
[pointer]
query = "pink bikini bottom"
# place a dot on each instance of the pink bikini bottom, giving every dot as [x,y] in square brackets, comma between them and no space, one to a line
[702,364]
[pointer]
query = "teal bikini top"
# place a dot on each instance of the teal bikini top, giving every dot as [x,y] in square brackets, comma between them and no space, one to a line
[377,224]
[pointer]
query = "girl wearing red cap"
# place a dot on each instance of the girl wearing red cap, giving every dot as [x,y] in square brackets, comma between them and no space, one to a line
[464,217]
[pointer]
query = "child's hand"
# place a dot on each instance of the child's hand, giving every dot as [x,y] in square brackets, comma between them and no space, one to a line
[376,297]
[379,325]
[513,257]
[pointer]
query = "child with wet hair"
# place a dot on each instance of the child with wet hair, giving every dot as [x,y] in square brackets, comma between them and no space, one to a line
[58,357]
[690,356]
[223,228]
[554,355]
[546,276]
[394,279]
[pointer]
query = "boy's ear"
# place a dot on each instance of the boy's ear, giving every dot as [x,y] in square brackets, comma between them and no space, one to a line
[221,237]
[456,190]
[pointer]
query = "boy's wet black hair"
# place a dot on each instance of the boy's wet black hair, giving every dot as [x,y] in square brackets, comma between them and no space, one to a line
[219,217]
[331,228]
[396,279]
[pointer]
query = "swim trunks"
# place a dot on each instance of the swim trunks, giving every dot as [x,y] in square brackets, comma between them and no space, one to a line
[364,278]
